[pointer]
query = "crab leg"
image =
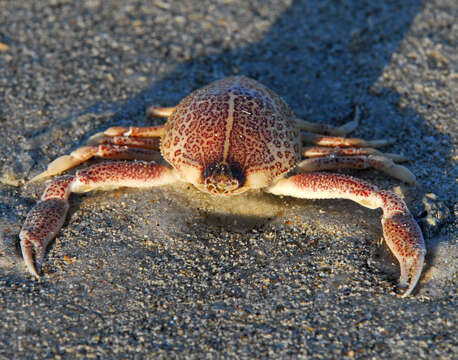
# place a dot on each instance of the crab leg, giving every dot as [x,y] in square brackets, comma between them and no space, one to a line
[359,162]
[138,142]
[401,232]
[321,151]
[321,140]
[85,153]
[147,136]
[47,217]
[133,136]
[135,131]
[325,129]
[154,111]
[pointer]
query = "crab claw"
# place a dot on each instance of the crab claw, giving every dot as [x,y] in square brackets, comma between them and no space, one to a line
[27,248]
[44,221]
[404,238]
[411,267]
[41,226]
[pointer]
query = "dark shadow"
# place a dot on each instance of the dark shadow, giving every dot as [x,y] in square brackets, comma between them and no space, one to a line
[320,68]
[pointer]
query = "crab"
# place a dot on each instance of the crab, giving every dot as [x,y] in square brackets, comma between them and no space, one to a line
[229,137]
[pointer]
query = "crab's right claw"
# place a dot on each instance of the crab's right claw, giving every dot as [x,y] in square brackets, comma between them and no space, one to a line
[41,226]
[27,248]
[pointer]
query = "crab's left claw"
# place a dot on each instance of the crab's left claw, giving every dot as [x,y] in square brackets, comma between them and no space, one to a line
[411,268]
[403,236]
[400,230]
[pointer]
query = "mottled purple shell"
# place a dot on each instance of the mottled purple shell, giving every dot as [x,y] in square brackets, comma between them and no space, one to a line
[235,121]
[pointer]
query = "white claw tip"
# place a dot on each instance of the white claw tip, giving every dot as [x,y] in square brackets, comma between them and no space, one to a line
[415,270]
[27,253]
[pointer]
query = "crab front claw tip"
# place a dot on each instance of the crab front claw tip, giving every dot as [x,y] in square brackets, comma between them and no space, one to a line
[27,248]
[411,267]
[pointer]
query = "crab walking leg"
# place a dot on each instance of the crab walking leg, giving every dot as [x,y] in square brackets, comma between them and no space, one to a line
[154,111]
[321,151]
[85,153]
[315,139]
[47,217]
[381,163]
[108,151]
[138,142]
[131,131]
[400,231]
[325,129]
[146,131]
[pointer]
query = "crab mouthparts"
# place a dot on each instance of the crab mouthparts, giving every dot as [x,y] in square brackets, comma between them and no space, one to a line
[223,179]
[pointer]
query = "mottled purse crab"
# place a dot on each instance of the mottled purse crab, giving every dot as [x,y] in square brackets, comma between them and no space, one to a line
[226,138]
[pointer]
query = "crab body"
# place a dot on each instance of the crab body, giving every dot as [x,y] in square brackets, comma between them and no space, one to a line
[231,136]
[226,138]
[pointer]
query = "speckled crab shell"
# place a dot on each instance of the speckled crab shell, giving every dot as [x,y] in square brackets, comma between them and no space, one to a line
[235,122]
